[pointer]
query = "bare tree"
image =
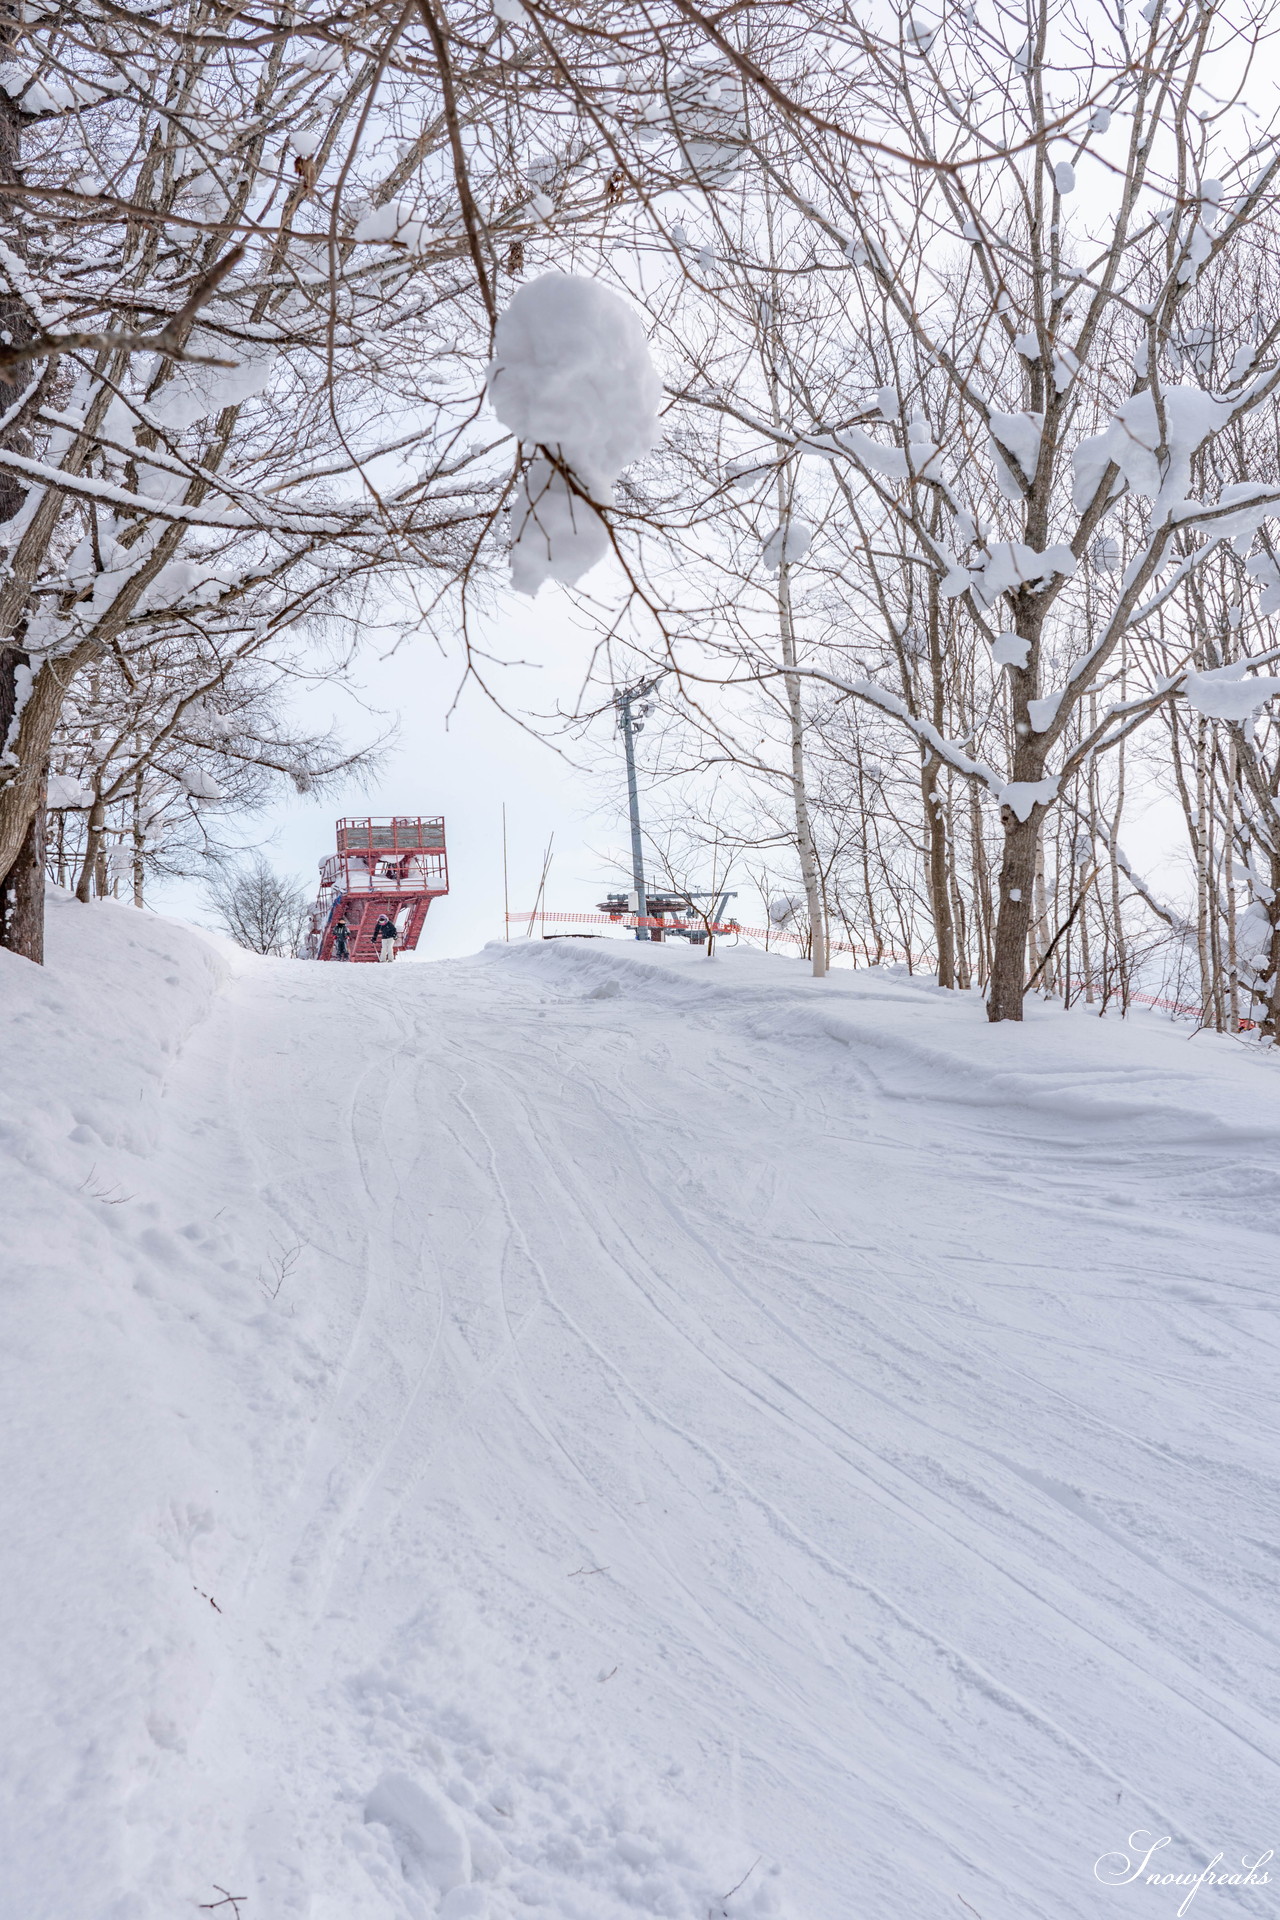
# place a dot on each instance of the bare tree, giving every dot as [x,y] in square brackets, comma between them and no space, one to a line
[1006,388]
[980,310]
[259,908]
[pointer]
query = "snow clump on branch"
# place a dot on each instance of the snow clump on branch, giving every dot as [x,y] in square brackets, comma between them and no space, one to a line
[1224,693]
[788,543]
[570,375]
[1132,443]
[197,392]
[66,791]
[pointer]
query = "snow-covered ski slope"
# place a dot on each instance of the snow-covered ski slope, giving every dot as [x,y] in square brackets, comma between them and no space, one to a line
[563,1432]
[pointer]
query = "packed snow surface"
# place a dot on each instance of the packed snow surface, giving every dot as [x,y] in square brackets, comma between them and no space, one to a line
[565,1434]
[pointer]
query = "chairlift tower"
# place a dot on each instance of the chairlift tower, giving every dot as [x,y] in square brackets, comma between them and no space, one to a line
[634,706]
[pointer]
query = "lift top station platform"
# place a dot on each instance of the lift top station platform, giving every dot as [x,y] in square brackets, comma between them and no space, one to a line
[673,915]
[392,864]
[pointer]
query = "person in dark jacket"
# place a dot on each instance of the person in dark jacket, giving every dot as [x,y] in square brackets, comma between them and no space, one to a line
[385,934]
[341,934]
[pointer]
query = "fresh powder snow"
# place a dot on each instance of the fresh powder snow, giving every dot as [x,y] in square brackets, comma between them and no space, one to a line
[577,1431]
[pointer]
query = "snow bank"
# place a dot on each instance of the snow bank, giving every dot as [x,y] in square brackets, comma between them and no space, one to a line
[92,1034]
[100,1677]
[1072,1067]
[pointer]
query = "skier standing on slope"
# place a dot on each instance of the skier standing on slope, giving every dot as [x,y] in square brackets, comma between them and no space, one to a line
[340,934]
[385,931]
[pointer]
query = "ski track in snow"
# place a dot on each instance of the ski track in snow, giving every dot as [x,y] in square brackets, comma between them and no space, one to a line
[711,1427]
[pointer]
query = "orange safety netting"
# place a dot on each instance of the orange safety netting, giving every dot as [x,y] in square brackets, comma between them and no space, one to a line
[770,934]
[678,926]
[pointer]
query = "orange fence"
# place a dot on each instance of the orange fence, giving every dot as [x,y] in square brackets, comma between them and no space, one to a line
[770,934]
[767,934]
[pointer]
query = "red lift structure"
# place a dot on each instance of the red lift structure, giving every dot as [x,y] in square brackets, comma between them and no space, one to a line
[386,864]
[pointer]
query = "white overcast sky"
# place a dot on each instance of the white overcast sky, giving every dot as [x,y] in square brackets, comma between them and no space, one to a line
[466,764]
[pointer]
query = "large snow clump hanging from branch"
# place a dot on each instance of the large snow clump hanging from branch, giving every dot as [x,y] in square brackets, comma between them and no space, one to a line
[571,375]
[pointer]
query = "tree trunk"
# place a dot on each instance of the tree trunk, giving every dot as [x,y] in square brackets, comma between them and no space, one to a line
[92,851]
[1085,965]
[139,841]
[31,743]
[1020,866]
[1117,904]
[1200,851]
[22,875]
[799,792]
[22,895]
[959,912]
[1017,880]
[1041,929]
[15,318]
[1229,885]
[939,875]
[1268,986]
[981,888]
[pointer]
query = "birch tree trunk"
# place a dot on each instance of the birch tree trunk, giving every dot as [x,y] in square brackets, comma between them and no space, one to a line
[804,830]
[1199,843]
[1271,979]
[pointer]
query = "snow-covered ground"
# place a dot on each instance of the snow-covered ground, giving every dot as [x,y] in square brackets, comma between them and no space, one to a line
[563,1432]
